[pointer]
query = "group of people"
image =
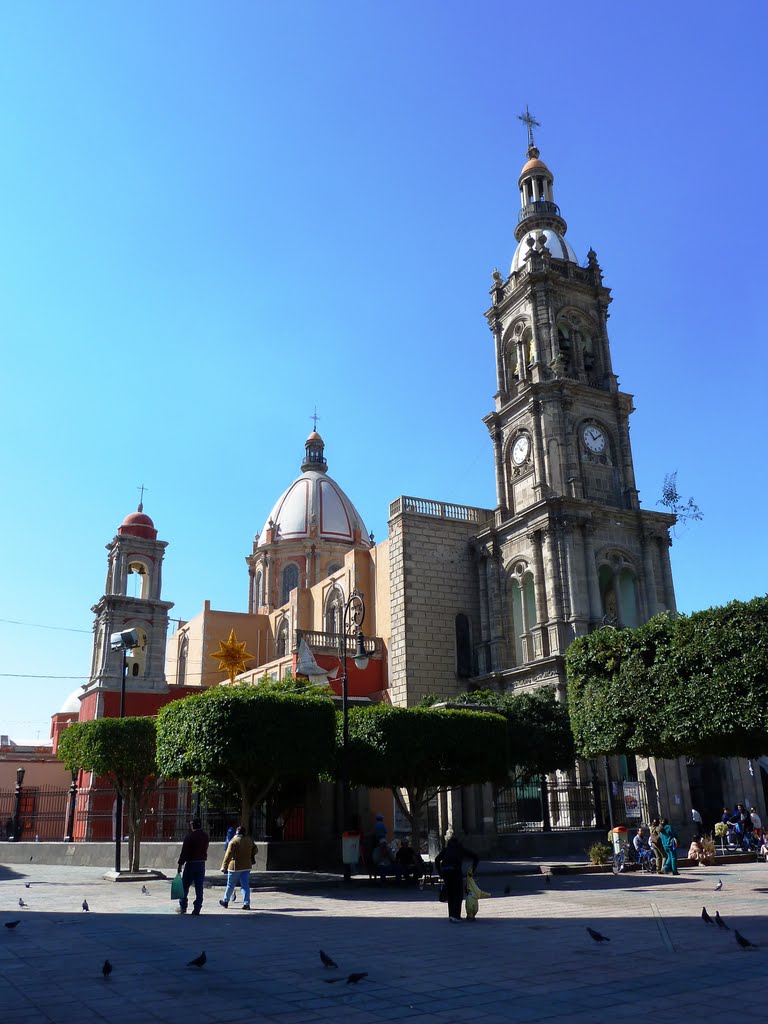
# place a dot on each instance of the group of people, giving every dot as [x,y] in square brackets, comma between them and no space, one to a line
[239,856]
[744,828]
[662,842]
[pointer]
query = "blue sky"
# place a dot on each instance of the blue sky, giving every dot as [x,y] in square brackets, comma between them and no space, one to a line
[214,217]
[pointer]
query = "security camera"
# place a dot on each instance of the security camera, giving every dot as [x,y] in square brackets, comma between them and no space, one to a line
[127,640]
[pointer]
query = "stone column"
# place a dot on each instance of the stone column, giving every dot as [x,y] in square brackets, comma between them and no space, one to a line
[538,444]
[501,370]
[539,632]
[651,600]
[498,459]
[590,568]
[579,615]
[666,574]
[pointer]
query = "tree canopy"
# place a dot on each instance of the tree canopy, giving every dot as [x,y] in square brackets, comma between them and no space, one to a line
[423,750]
[244,739]
[538,729]
[121,750]
[695,685]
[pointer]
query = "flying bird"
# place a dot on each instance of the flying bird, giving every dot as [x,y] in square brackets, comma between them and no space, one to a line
[86,908]
[719,885]
[720,922]
[106,970]
[597,936]
[144,891]
[22,903]
[705,916]
[744,943]
[354,978]
[327,961]
[198,961]
[11,924]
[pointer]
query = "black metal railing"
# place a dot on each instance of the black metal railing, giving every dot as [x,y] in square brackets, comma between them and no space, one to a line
[537,208]
[544,806]
[321,641]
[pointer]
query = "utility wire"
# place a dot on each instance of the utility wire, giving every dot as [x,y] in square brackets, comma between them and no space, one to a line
[40,625]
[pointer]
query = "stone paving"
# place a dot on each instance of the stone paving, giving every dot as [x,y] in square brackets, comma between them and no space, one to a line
[527,957]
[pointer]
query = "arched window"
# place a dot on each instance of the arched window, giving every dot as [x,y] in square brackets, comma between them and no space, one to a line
[522,608]
[618,594]
[136,660]
[332,568]
[290,582]
[281,644]
[181,666]
[258,589]
[137,582]
[464,658]
[333,611]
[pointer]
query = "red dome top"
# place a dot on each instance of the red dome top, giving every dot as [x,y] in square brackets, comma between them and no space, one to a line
[138,524]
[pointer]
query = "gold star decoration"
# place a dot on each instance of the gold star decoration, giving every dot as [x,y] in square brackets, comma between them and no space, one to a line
[232,656]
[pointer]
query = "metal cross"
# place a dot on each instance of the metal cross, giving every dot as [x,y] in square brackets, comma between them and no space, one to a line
[142,488]
[314,417]
[530,122]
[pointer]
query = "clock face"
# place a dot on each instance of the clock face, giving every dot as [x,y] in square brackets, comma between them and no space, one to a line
[594,439]
[520,449]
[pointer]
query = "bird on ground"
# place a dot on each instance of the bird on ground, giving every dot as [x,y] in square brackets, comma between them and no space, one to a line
[744,943]
[22,903]
[705,916]
[597,936]
[327,961]
[354,978]
[106,970]
[11,924]
[198,961]
[719,885]
[144,891]
[86,908]
[27,885]
[720,922]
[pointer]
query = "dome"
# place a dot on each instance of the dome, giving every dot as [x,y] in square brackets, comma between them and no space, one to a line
[138,524]
[555,243]
[71,705]
[315,506]
[536,165]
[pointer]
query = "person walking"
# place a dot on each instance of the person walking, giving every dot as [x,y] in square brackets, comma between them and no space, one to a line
[669,842]
[194,853]
[449,866]
[656,844]
[238,861]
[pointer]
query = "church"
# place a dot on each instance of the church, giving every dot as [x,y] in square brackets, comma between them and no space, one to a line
[456,597]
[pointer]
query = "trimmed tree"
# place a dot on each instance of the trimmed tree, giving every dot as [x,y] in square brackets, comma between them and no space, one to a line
[421,751]
[696,685]
[243,740]
[538,729]
[121,750]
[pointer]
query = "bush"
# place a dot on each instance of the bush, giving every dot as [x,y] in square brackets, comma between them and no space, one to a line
[600,853]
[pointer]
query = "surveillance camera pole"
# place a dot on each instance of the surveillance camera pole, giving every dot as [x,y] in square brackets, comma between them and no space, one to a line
[354,614]
[119,642]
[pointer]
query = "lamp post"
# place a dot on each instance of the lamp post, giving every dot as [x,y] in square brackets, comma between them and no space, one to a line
[17,808]
[354,614]
[123,642]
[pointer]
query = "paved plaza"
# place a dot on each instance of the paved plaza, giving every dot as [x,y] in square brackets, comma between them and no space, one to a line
[527,957]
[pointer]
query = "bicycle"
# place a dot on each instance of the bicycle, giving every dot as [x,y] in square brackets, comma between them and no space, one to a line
[620,858]
[647,860]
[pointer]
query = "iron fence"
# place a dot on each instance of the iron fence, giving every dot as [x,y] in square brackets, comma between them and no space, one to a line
[546,806]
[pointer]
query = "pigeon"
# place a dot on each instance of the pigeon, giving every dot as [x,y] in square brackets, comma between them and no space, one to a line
[705,916]
[719,885]
[86,908]
[354,978]
[597,936]
[106,970]
[11,924]
[720,922]
[144,891]
[198,961]
[327,961]
[744,943]
[22,903]
[27,885]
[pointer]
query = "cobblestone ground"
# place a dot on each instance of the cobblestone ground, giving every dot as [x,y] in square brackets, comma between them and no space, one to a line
[527,957]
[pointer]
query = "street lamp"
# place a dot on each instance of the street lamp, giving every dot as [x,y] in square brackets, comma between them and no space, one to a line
[353,616]
[17,809]
[124,642]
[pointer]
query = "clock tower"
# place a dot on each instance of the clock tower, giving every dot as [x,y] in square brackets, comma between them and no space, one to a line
[569,548]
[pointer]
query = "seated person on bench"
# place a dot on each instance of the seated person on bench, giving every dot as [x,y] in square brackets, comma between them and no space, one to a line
[409,861]
[383,864]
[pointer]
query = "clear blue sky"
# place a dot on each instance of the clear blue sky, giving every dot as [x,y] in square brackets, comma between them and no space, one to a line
[215,216]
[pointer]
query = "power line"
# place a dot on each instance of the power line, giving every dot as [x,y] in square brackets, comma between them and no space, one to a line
[40,625]
[26,675]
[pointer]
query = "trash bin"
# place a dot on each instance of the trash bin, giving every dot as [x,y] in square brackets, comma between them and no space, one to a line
[350,847]
[618,836]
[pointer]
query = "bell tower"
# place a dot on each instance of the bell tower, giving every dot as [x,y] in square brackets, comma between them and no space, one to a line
[569,548]
[132,600]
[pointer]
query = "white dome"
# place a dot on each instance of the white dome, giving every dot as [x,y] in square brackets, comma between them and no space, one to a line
[315,500]
[556,244]
[71,705]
